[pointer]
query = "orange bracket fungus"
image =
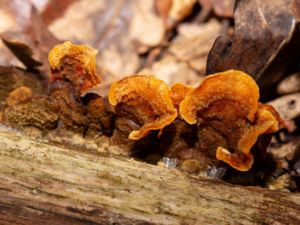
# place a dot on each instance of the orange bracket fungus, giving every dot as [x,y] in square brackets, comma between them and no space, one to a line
[75,63]
[145,100]
[178,93]
[19,95]
[229,117]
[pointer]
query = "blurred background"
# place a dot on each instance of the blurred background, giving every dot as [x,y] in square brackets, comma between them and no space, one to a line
[170,39]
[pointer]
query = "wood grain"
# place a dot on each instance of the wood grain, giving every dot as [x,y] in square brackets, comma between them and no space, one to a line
[45,184]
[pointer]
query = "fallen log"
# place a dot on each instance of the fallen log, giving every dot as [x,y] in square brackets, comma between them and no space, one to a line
[42,183]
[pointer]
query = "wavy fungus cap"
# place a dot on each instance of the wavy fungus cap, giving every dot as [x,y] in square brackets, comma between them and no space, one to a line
[232,85]
[267,121]
[147,97]
[228,102]
[83,60]
[178,93]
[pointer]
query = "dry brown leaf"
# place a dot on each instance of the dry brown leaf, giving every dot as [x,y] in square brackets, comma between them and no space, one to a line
[222,8]
[288,106]
[103,25]
[23,52]
[171,70]
[264,38]
[178,11]
[25,33]
[6,57]
[52,9]
[146,28]
[290,84]
[118,29]
[194,42]
[163,8]
[40,5]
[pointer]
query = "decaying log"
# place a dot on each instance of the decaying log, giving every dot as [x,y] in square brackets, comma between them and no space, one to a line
[41,183]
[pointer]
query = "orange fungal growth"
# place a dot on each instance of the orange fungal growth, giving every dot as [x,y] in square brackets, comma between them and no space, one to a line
[144,99]
[178,93]
[19,95]
[227,104]
[267,121]
[232,85]
[76,63]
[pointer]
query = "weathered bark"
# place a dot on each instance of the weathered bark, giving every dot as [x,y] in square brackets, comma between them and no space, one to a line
[45,184]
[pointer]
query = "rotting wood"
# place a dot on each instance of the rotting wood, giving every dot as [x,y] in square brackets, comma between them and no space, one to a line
[45,184]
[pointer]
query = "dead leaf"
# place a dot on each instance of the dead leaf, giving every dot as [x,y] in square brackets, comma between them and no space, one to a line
[296,9]
[40,5]
[222,8]
[52,9]
[146,28]
[288,106]
[171,70]
[185,59]
[120,30]
[22,52]
[174,11]
[6,57]
[163,8]
[290,84]
[260,45]
[193,43]
[26,33]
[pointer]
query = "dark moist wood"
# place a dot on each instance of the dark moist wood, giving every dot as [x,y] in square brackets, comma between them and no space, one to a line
[45,184]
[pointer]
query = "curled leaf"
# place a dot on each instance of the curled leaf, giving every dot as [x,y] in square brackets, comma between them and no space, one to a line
[146,100]
[23,52]
[76,63]
[25,34]
[260,45]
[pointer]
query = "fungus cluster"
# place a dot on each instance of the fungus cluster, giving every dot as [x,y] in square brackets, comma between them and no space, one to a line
[220,121]
[227,104]
[224,108]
